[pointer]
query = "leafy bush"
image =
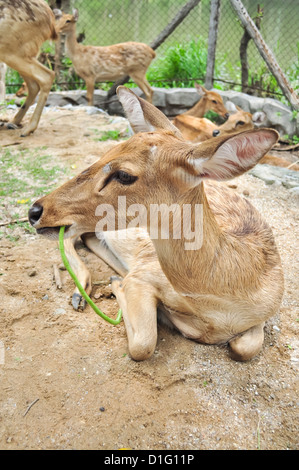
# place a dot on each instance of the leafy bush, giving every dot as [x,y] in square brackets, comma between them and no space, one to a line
[180,62]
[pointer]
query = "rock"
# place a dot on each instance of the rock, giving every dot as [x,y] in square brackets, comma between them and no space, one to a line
[274,174]
[178,100]
[59,311]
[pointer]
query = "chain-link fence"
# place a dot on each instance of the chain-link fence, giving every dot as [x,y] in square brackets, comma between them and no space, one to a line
[105,22]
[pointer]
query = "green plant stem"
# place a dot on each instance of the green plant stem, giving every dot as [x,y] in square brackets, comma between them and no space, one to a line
[79,286]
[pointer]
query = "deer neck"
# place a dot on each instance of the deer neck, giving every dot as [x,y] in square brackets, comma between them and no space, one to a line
[199,109]
[71,42]
[185,260]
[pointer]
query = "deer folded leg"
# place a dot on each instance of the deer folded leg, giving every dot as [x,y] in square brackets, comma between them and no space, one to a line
[138,303]
[80,270]
[247,345]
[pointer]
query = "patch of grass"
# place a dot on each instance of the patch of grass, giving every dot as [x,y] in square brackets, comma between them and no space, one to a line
[25,175]
[110,135]
[180,62]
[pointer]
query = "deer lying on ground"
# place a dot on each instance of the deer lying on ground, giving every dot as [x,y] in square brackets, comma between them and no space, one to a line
[191,128]
[24,26]
[107,63]
[240,121]
[209,101]
[201,129]
[216,282]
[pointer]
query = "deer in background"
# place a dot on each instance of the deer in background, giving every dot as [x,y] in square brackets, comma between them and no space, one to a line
[105,63]
[200,126]
[24,26]
[209,101]
[221,290]
[240,121]
[201,129]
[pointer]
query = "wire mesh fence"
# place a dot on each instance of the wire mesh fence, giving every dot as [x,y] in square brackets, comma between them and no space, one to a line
[105,22]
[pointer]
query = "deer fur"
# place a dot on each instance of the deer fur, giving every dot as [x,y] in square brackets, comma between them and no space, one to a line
[220,292]
[105,63]
[24,26]
[209,101]
[201,129]
[192,123]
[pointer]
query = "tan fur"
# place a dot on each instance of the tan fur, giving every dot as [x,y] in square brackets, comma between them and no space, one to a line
[209,101]
[107,63]
[194,128]
[24,26]
[201,129]
[221,291]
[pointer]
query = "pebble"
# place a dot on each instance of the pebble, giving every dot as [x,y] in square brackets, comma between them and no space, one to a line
[59,311]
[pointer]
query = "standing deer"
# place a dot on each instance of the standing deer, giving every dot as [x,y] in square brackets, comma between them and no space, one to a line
[24,26]
[107,63]
[223,289]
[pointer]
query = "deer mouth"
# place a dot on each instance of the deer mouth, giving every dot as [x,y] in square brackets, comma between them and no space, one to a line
[52,232]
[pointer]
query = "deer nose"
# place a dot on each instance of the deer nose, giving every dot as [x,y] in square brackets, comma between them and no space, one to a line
[216,132]
[35,213]
[226,115]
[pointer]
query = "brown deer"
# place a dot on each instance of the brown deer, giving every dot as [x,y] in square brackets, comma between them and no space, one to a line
[24,26]
[240,121]
[192,123]
[220,288]
[201,129]
[106,63]
[209,101]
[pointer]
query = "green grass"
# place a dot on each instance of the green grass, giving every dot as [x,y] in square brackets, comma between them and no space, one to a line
[26,175]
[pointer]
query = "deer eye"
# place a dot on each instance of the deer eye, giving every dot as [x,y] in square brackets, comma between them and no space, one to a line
[240,123]
[124,178]
[214,101]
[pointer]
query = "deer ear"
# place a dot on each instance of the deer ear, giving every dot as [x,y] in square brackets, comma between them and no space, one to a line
[143,116]
[200,89]
[75,14]
[227,157]
[57,13]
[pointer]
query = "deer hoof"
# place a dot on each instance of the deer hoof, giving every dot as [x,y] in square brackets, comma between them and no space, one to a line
[78,302]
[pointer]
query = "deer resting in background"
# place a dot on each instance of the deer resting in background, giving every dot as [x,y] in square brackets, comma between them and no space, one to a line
[105,63]
[222,288]
[24,26]
[201,129]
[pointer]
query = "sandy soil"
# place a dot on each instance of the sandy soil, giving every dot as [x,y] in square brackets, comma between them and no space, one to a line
[66,379]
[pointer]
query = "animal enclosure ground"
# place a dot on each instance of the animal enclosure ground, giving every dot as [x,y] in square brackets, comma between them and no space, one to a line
[66,379]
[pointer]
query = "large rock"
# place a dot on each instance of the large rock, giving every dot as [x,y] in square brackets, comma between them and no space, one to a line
[276,175]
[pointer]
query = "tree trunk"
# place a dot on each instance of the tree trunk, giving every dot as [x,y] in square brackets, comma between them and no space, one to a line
[266,53]
[213,31]
[181,15]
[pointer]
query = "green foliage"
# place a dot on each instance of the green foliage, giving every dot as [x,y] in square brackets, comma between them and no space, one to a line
[180,62]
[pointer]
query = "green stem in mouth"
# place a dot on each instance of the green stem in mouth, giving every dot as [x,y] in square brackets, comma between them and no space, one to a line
[79,286]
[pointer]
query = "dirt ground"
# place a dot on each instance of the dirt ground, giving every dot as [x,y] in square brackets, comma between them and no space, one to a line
[66,379]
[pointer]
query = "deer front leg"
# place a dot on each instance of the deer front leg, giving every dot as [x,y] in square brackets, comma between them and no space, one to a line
[81,272]
[38,78]
[89,90]
[138,303]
